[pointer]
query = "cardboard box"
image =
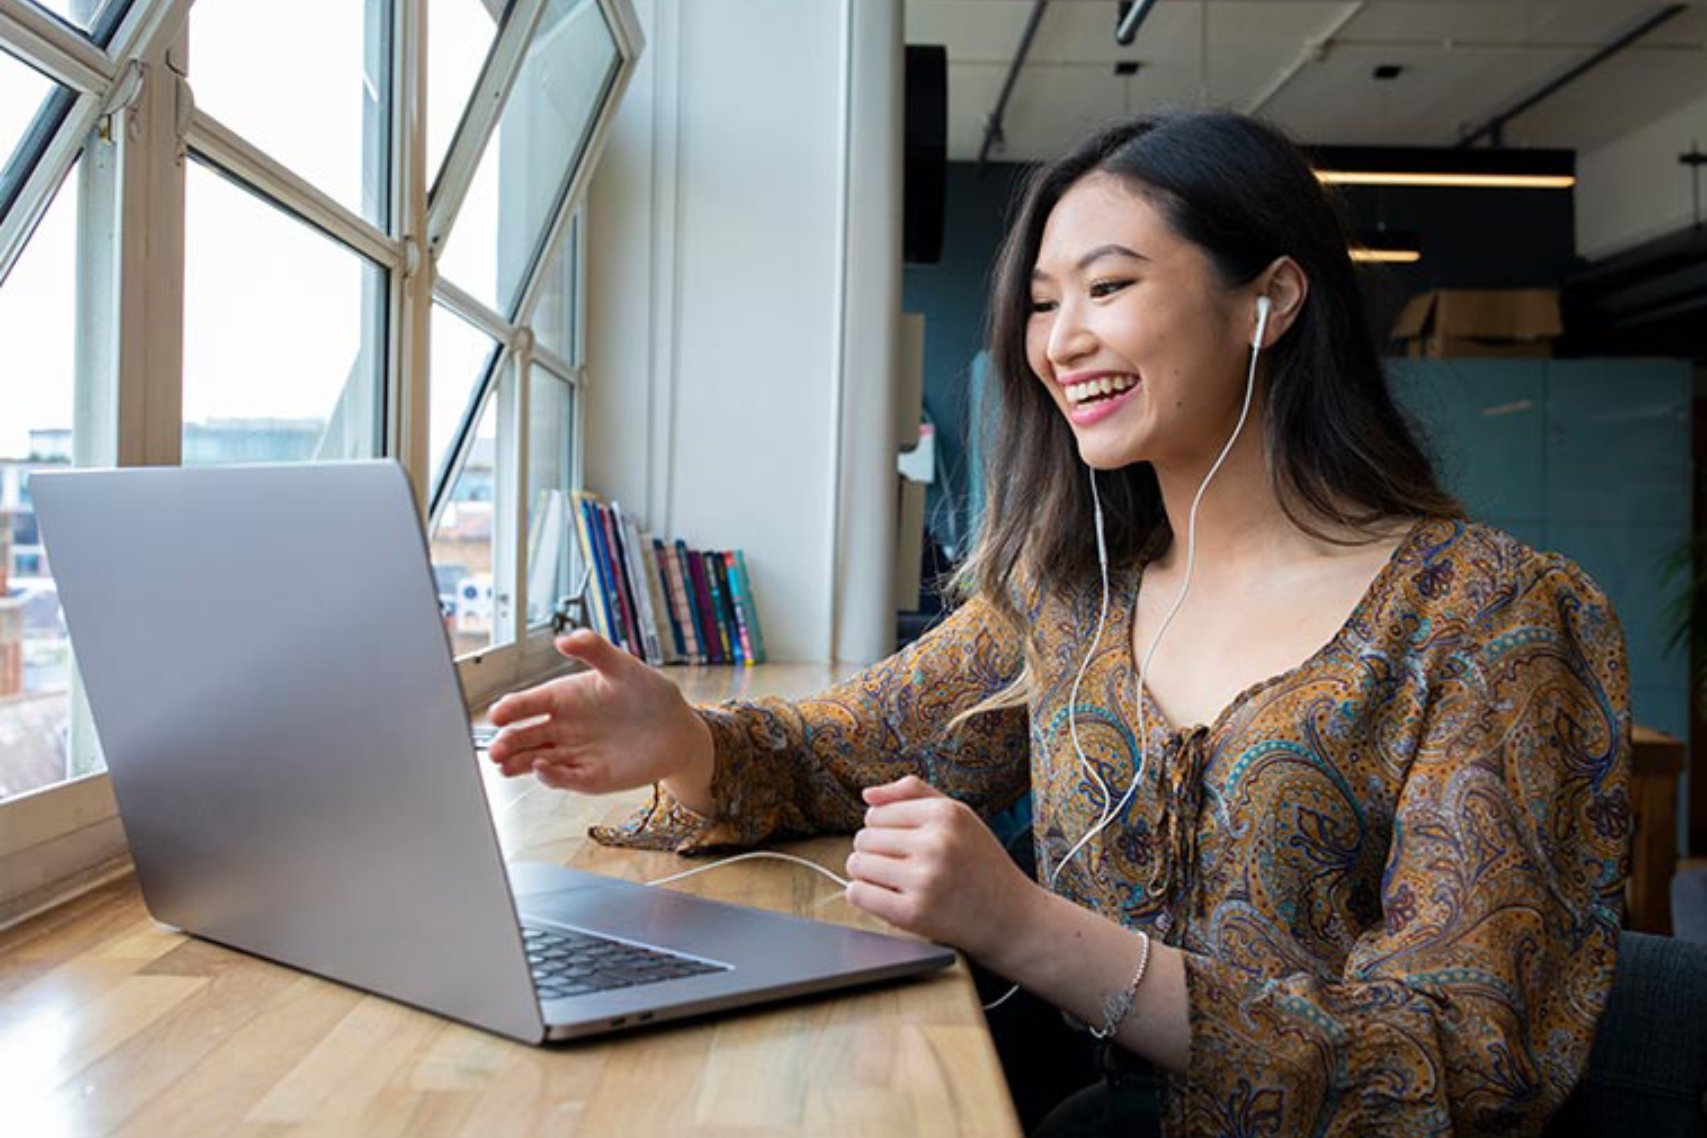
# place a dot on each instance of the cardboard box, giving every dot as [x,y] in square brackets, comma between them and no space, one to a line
[1517,323]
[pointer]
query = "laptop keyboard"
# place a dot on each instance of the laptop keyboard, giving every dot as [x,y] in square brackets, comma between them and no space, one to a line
[577,963]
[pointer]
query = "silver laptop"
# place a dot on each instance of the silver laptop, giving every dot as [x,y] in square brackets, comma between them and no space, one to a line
[273,689]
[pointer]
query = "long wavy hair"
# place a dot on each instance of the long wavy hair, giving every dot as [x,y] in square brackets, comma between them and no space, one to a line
[1341,456]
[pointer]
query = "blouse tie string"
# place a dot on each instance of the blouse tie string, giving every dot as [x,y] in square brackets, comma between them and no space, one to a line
[1184,759]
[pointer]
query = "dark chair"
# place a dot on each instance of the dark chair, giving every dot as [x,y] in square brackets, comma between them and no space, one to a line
[1647,1073]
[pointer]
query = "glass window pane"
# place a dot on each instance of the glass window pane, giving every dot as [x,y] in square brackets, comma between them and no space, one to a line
[554,318]
[554,569]
[526,167]
[283,333]
[248,63]
[38,308]
[462,355]
[463,543]
[96,17]
[31,104]
[459,34]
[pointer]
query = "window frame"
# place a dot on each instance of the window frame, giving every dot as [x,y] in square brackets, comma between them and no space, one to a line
[134,122]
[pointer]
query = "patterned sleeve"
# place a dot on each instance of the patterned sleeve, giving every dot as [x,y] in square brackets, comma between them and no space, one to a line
[1471,1007]
[793,768]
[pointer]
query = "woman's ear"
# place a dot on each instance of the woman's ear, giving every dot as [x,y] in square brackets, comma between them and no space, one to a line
[1286,287]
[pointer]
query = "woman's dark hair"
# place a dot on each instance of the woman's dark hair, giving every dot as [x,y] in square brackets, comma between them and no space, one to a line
[1341,455]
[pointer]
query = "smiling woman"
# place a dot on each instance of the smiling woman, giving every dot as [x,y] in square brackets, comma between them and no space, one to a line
[1313,854]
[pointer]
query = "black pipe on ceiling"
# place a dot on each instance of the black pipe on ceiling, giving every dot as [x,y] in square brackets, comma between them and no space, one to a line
[993,127]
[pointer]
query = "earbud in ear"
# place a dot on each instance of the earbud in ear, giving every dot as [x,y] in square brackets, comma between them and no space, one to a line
[1265,307]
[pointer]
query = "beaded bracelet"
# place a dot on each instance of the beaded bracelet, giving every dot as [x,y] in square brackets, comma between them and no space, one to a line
[1117,1007]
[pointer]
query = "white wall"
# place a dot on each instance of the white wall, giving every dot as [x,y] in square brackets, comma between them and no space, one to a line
[730,291]
[1634,189]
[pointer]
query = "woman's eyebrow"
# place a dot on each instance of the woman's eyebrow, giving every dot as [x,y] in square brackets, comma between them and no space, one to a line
[1094,256]
[1102,251]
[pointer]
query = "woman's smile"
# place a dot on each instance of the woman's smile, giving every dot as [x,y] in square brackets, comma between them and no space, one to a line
[1093,396]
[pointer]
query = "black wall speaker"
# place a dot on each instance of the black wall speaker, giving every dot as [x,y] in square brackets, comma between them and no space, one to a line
[925,169]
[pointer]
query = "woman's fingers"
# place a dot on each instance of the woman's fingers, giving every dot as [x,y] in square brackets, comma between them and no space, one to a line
[514,741]
[596,652]
[521,705]
[879,869]
[910,813]
[887,841]
[901,790]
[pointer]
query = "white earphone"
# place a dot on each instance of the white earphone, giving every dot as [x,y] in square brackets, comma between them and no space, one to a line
[1111,809]
[1265,308]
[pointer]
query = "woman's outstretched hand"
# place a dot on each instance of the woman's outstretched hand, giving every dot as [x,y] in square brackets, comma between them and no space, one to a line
[928,864]
[615,726]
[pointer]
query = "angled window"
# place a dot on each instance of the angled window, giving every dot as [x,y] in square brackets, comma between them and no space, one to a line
[464,527]
[553,558]
[256,388]
[32,107]
[525,169]
[459,36]
[38,389]
[96,19]
[556,320]
[209,230]
[329,126]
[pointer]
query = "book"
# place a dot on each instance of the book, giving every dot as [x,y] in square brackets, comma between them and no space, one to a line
[690,600]
[714,650]
[680,630]
[600,602]
[719,608]
[669,638]
[726,571]
[738,570]
[619,583]
[639,595]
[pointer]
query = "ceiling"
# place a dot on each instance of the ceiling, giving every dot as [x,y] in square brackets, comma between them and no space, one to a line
[1307,65]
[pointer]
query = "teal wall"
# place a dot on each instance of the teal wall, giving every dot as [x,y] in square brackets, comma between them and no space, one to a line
[1590,458]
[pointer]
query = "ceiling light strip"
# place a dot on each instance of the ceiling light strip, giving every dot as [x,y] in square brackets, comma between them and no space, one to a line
[1386,256]
[1451,181]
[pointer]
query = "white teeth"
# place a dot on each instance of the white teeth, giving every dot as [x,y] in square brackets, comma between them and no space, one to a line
[1104,385]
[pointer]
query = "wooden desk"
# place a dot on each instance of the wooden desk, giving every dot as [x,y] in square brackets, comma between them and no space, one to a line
[112,1025]
[1656,761]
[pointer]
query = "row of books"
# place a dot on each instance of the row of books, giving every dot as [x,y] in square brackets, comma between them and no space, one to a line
[665,603]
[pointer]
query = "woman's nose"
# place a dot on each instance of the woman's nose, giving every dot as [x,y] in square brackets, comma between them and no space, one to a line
[1069,337]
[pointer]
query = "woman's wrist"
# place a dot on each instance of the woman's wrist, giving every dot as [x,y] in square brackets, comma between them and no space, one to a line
[691,784]
[1027,945]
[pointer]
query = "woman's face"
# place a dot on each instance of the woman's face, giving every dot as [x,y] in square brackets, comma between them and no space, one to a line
[1132,333]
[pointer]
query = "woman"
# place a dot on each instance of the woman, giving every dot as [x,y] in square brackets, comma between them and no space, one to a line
[1329,785]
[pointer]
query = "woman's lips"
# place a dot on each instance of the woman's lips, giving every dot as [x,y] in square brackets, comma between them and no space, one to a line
[1084,414]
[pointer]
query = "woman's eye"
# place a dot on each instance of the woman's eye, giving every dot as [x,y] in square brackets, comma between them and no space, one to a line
[1107,288]
[1038,304]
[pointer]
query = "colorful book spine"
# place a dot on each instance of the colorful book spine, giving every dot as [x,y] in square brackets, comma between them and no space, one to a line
[714,649]
[669,640]
[690,598]
[602,569]
[738,608]
[732,603]
[619,583]
[714,580]
[680,630]
[744,583]
[634,577]
[595,594]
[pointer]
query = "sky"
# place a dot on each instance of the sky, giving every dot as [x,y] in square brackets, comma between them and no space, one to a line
[272,307]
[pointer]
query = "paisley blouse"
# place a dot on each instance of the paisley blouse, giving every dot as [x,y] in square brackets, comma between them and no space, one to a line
[1395,870]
